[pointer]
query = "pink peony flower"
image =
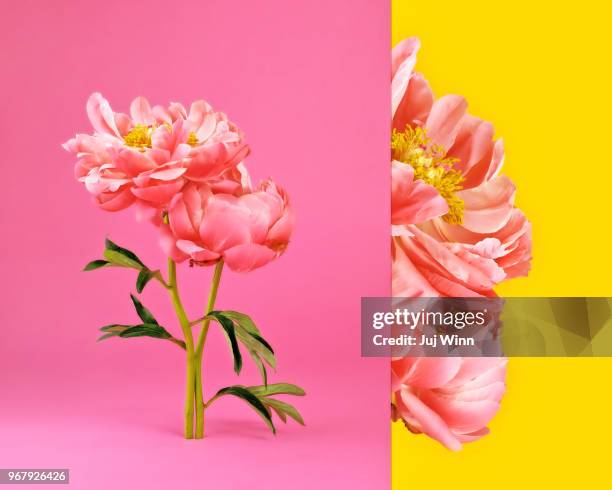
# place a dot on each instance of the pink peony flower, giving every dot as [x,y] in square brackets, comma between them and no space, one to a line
[148,156]
[450,399]
[247,229]
[477,237]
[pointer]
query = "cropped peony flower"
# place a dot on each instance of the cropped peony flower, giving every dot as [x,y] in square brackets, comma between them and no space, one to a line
[440,152]
[247,230]
[450,399]
[148,156]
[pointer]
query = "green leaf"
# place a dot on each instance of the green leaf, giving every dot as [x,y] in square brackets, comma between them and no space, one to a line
[260,366]
[250,336]
[118,259]
[281,415]
[262,341]
[230,332]
[245,321]
[244,394]
[143,330]
[122,256]
[144,276]
[287,409]
[255,347]
[145,315]
[146,330]
[277,389]
[114,328]
[96,264]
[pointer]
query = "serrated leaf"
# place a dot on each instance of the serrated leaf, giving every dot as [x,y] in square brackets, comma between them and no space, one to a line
[95,264]
[146,330]
[277,389]
[285,408]
[144,276]
[230,333]
[244,394]
[145,315]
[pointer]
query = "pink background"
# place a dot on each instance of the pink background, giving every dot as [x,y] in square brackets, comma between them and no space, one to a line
[308,83]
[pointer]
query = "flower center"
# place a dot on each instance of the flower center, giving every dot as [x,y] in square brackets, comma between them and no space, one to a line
[432,166]
[192,139]
[139,137]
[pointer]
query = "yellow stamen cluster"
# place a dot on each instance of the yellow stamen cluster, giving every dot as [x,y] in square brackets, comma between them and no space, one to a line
[432,166]
[139,137]
[192,139]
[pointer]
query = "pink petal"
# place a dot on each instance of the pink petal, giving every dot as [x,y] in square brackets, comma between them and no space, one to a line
[430,422]
[101,115]
[245,258]
[226,223]
[195,251]
[489,206]
[180,219]
[115,201]
[431,372]
[413,201]
[141,112]
[444,120]
[158,194]
[473,145]
[134,162]
[415,105]
[403,59]
[167,242]
[459,415]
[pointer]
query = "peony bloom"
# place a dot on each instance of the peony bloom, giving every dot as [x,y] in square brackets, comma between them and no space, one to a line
[450,399]
[247,230]
[456,229]
[149,155]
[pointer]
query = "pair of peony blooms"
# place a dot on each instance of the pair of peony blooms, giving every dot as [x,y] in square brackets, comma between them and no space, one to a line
[183,171]
[456,232]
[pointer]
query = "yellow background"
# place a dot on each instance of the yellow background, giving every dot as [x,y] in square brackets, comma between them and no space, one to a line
[540,72]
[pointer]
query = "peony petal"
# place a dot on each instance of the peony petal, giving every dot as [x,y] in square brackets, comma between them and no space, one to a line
[158,194]
[196,252]
[115,201]
[413,201]
[429,421]
[403,59]
[167,242]
[133,162]
[245,258]
[489,206]
[101,115]
[416,104]
[431,372]
[444,120]
[180,219]
[141,112]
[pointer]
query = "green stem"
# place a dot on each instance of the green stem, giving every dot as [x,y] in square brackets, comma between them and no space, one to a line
[189,347]
[199,352]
